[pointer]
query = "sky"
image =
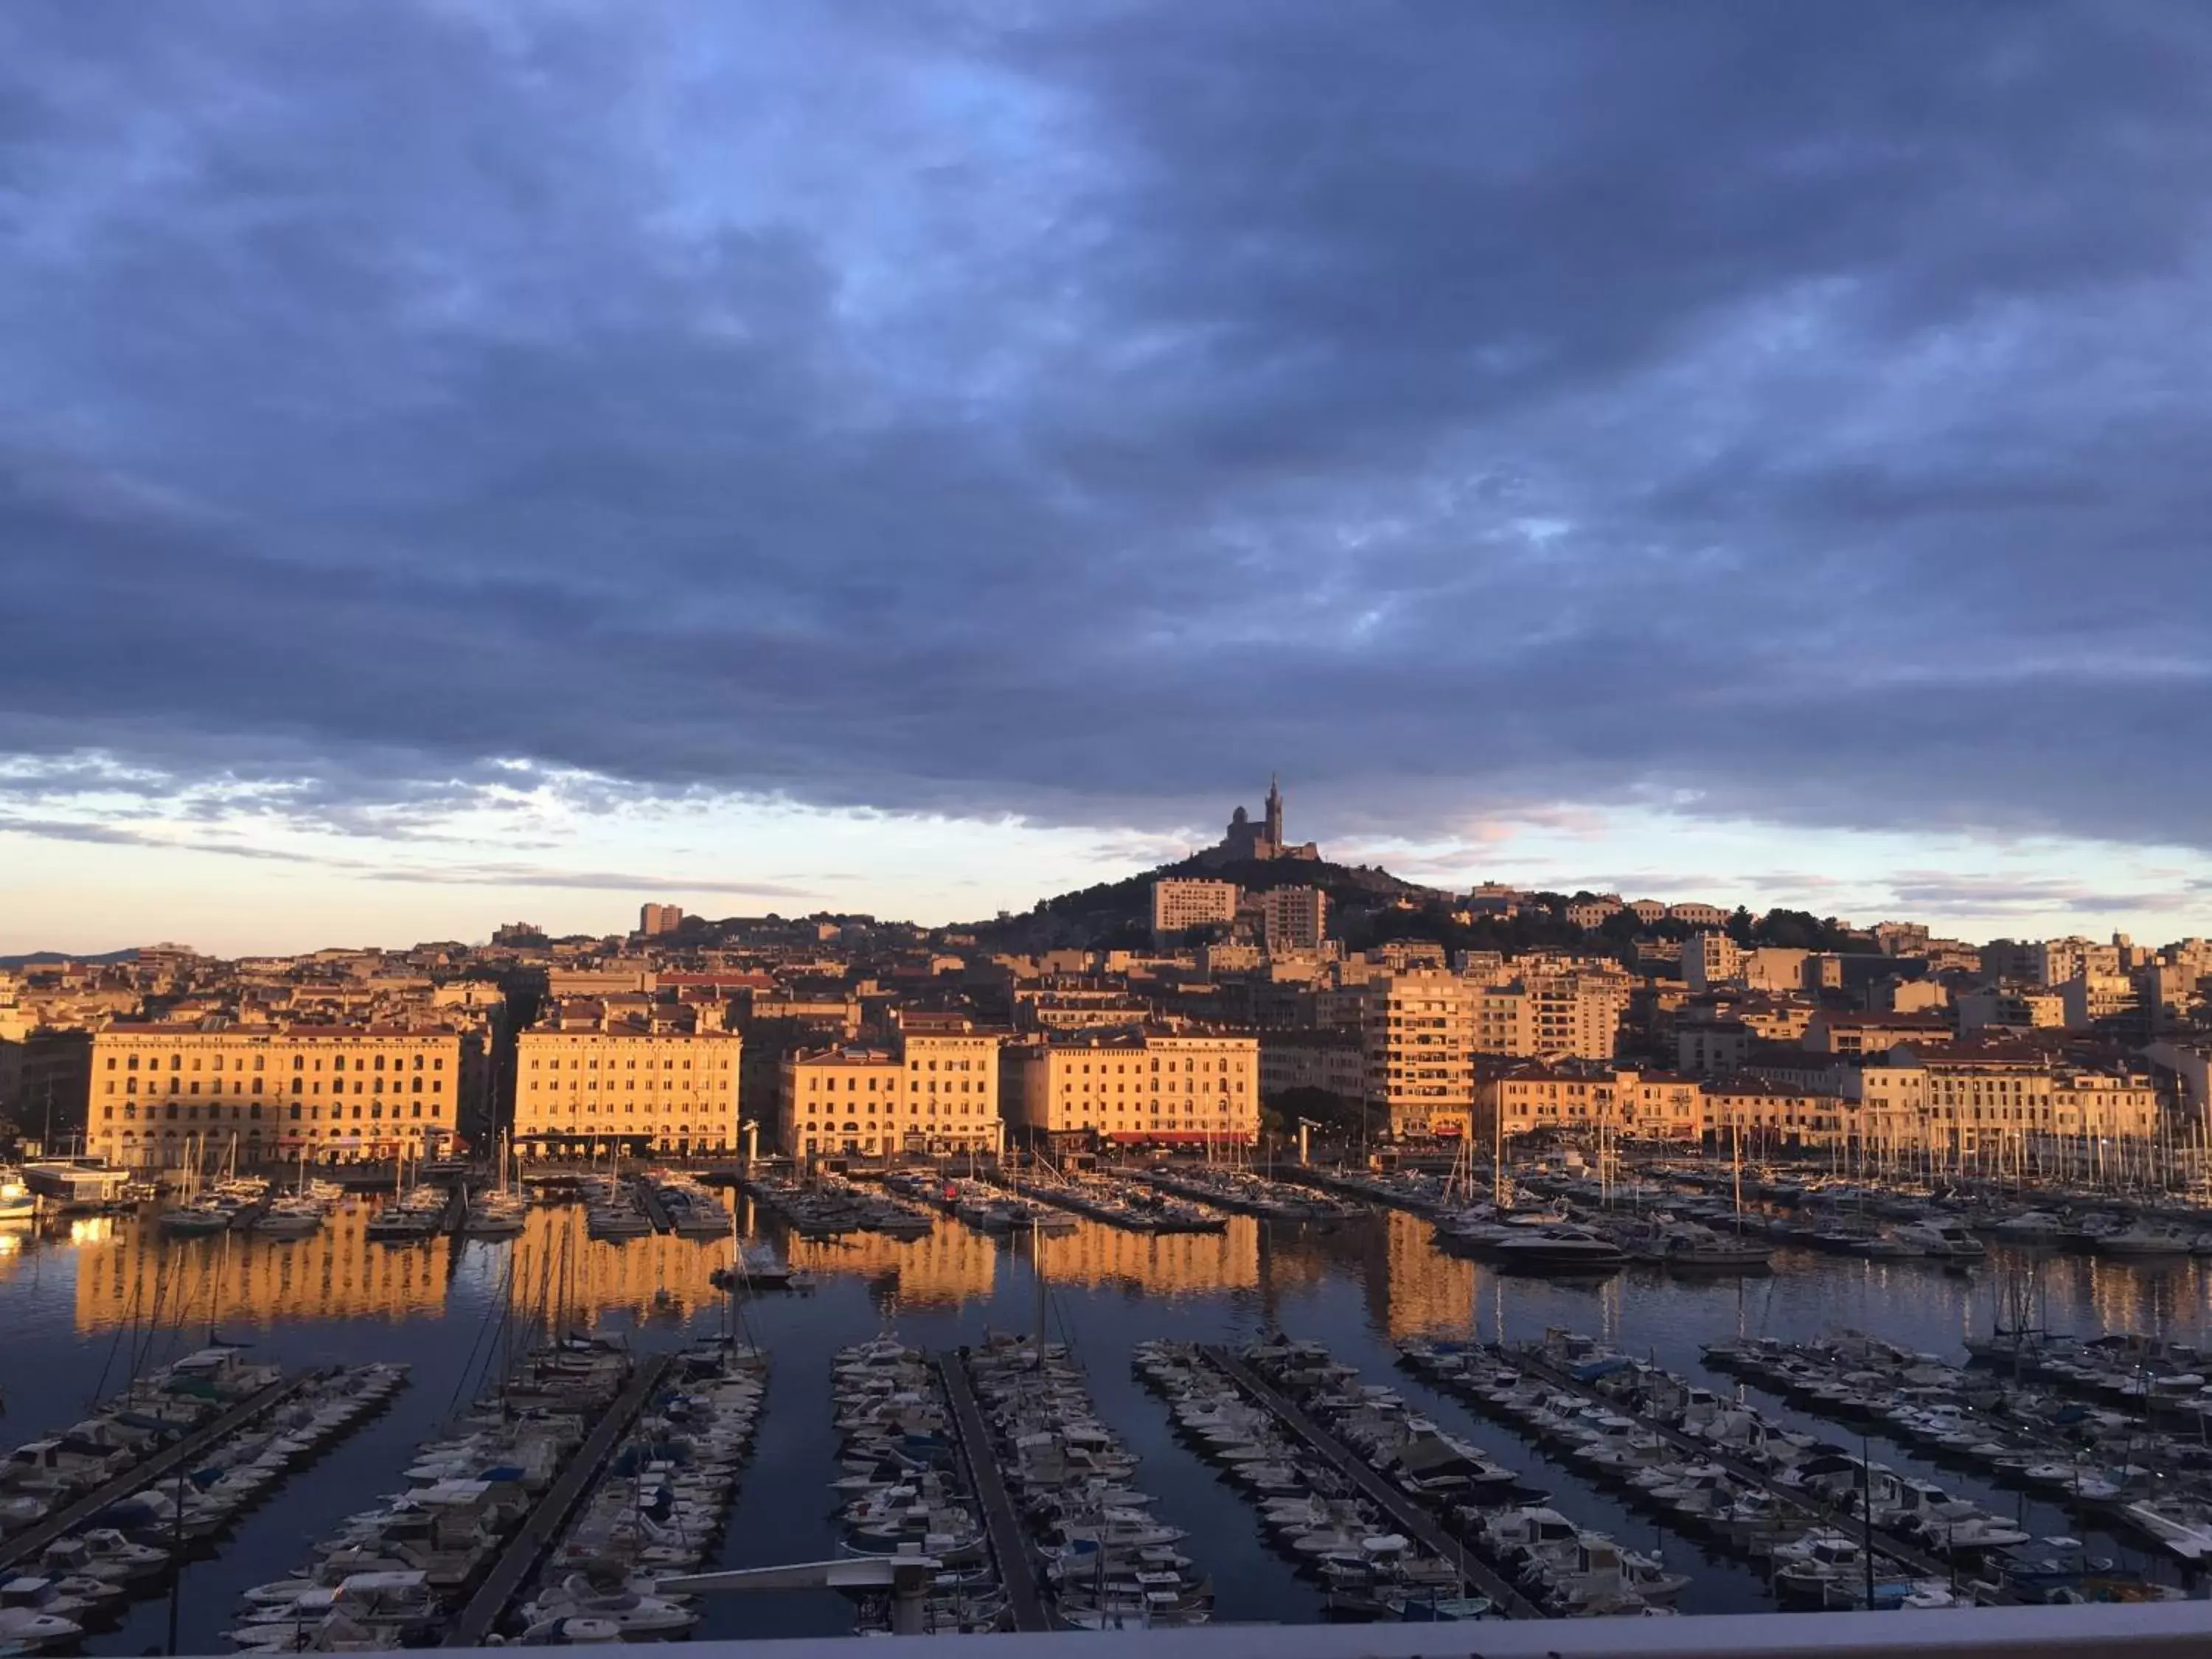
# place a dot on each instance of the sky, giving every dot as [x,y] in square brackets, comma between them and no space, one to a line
[473,462]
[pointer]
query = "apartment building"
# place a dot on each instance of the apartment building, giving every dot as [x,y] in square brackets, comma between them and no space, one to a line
[932,1086]
[1180,904]
[165,1095]
[1838,1032]
[591,1079]
[1136,1086]
[1418,1031]
[1292,919]
[1528,1096]
[1698,915]
[1589,913]
[1333,1060]
[1710,960]
[655,921]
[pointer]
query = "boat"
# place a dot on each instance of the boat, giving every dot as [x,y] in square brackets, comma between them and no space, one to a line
[1688,1246]
[1945,1241]
[17,1201]
[1554,1249]
[2145,1238]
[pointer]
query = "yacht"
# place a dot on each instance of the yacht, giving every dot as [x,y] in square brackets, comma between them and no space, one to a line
[290,1218]
[17,1201]
[2145,1238]
[1944,1240]
[1556,1249]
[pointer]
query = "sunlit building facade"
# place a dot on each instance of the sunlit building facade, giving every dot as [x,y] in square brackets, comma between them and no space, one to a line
[932,1087]
[588,1086]
[167,1096]
[1137,1086]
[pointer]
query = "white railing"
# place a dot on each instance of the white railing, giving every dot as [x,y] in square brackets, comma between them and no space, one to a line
[2168,1630]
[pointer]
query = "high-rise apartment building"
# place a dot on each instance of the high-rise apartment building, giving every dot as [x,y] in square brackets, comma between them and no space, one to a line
[1181,903]
[165,1095]
[1293,920]
[1418,1029]
[590,1081]
[655,919]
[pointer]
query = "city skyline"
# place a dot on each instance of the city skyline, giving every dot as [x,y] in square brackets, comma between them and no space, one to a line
[459,465]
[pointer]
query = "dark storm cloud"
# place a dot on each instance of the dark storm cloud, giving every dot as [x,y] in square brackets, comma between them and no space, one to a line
[1068,410]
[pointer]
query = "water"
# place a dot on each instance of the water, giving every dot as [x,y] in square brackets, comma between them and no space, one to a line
[78,1305]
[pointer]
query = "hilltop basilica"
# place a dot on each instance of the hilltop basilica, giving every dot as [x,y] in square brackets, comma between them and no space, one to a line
[1247,840]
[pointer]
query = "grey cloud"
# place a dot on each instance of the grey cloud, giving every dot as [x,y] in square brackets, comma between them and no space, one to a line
[1065,411]
[1941,893]
[615,881]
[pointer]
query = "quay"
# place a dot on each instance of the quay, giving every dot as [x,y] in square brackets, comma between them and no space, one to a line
[33,1540]
[1009,1548]
[527,1547]
[1883,1543]
[1412,1520]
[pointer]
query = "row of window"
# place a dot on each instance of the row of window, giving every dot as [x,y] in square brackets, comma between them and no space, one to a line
[298,1063]
[168,1112]
[967,1108]
[593,1065]
[891,1084]
[299,1086]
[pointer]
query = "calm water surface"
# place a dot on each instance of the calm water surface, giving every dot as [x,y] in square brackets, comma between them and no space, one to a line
[80,1306]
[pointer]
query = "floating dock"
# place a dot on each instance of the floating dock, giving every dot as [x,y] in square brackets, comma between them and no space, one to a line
[1881,1543]
[33,1540]
[1410,1518]
[1009,1550]
[519,1558]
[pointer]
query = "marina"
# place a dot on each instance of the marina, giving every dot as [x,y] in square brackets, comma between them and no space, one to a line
[464,1309]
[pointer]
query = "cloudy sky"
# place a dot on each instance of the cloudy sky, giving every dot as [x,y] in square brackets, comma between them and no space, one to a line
[461,461]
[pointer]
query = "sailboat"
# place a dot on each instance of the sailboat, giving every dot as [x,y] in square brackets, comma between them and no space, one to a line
[499,1212]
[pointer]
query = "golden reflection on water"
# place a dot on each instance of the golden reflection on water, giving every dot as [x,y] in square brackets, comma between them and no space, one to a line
[951,1264]
[1430,1293]
[1158,1264]
[127,1271]
[133,1274]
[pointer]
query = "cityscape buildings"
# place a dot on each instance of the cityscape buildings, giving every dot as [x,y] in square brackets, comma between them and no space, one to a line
[1189,1010]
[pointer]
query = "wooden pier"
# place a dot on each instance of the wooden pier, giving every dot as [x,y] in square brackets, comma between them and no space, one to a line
[1409,1517]
[528,1547]
[1010,1549]
[1908,1555]
[33,1540]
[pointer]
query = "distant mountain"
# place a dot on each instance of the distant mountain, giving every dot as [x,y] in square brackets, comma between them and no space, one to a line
[49,958]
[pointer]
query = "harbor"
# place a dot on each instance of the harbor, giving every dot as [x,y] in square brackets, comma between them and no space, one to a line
[2024,1400]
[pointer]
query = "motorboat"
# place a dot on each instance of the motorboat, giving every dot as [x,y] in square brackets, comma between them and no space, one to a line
[1555,1249]
[17,1201]
[1945,1241]
[2145,1238]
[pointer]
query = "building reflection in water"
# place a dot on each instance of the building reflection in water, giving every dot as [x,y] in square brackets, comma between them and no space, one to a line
[951,1264]
[1158,1264]
[136,1275]
[555,1264]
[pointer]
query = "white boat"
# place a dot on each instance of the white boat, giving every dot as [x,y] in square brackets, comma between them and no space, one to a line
[1945,1241]
[290,1218]
[27,1629]
[2145,1238]
[17,1201]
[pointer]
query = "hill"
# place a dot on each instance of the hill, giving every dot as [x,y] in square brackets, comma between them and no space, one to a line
[1119,914]
[49,958]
